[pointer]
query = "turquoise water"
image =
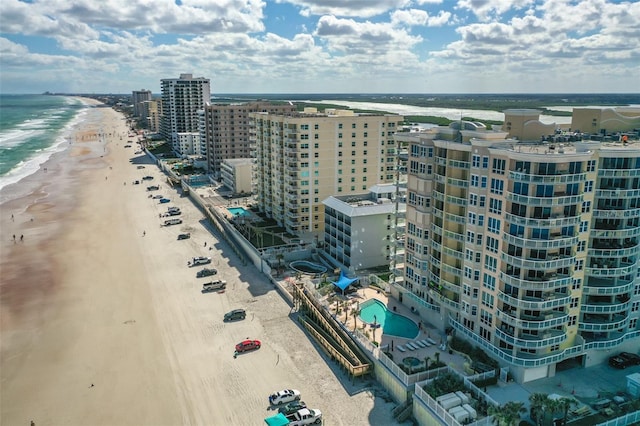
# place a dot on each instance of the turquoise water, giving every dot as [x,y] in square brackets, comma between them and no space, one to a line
[32,128]
[237,211]
[392,324]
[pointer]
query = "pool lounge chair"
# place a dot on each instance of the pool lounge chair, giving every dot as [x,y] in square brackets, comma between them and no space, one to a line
[400,348]
[410,346]
[433,342]
[425,342]
[419,343]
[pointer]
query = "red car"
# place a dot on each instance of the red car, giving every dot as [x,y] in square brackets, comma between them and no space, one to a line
[248,345]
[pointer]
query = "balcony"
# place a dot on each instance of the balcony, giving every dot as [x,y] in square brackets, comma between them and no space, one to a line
[603,270]
[618,194]
[548,338]
[545,201]
[538,264]
[607,286]
[548,301]
[547,282]
[552,222]
[535,243]
[551,319]
[616,214]
[618,173]
[602,322]
[605,308]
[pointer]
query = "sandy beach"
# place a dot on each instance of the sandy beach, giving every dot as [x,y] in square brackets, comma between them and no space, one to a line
[103,323]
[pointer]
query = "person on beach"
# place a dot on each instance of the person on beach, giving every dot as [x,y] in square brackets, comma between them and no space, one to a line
[144,233]
[21,237]
[14,238]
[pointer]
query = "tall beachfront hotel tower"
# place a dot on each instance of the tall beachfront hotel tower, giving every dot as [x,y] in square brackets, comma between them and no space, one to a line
[182,98]
[303,158]
[528,250]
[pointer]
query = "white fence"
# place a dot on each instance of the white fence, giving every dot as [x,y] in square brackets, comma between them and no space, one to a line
[629,419]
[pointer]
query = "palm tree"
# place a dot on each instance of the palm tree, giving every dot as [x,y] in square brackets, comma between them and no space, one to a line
[566,404]
[507,414]
[355,312]
[552,406]
[538,404]
[437,355]
[426,362]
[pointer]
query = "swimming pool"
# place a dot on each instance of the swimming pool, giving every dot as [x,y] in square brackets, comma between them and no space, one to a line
[392,324]
[238,211]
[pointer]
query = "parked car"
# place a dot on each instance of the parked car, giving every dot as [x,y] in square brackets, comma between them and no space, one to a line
[248,345]
[152,187]
[164,200]
[305,417]
[206,272]
[214,285]
[140,167]
[174,212]
[170,222]
[147,177]
[292,407]
[185,236]
[136,182]
[200,260]
[284,396]
[157,197]
[624,360]
[236,314]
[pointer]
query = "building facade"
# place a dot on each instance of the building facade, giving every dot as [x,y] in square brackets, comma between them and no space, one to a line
[303,158]
[236,174]
[359,230]
[225,130]
[529,252]
[182,98]
[155,114]
[605,120]
[138,97]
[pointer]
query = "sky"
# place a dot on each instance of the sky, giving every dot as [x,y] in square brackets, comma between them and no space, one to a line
[321,46]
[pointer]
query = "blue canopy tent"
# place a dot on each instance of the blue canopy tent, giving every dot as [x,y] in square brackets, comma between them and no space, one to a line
[344,282]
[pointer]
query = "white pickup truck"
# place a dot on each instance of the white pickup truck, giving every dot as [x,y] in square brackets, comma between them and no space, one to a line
[214,285]
[304,417]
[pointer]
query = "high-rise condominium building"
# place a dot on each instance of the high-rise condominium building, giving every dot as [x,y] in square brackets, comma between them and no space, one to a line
[529,250]
[225,131]
[303,158]
[155,114]
[138,97]
[182,98]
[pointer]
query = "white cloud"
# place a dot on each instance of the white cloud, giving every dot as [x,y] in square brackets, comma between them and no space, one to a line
[351,8]
[487,9]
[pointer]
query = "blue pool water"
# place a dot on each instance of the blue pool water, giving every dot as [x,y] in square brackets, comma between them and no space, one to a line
[392,324]
[237,211]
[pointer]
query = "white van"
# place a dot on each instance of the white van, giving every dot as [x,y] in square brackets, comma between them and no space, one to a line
[169,222]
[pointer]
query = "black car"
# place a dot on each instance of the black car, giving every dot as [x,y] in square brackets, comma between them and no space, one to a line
[624,360]
[206,272]
[184,236]
[236,314]
[292,407]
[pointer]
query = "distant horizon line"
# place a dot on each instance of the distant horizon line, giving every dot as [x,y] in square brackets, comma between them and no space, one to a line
[345,93]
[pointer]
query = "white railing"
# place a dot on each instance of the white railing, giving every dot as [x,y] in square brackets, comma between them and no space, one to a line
[628,419]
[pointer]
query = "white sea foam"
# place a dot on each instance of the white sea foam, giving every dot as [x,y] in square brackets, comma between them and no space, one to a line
[32,164]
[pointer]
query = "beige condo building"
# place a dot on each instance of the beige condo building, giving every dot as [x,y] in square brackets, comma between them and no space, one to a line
[303,158]
[225,130]
[531,253]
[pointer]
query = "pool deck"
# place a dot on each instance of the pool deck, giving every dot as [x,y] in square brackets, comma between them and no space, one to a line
[426,331]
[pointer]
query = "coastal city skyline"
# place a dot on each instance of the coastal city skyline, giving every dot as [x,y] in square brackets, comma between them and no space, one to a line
[307,46]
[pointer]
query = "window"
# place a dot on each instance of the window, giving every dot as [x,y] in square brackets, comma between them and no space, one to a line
[483,182]
[474,180]
[339,125]
[572,320]
[591,165]
[492,244]
[490,263]
[574,302]
[495,206]
[475,161]
[472,218]
[588,186]
[470,236]
[485,162]
[482,200]
[480,220]
[493,225]
[498,166]
[466,289]
[586,206]
[577,283]
[487,299]
[489,281]
[584,226]
[473,199]
[582,245]
[579,265]
[635,306]
[497,186]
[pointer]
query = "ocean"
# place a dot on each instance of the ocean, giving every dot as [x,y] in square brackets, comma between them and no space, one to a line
[32,129]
